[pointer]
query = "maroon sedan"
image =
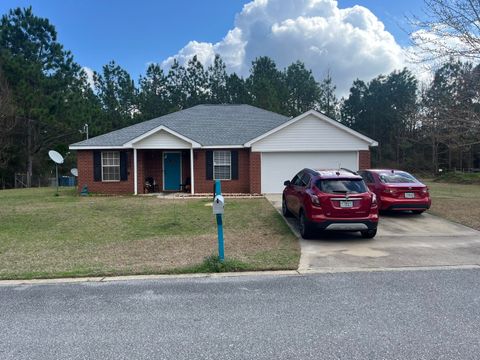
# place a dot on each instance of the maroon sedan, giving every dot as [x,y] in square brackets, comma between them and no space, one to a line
[397,190]
[330,200]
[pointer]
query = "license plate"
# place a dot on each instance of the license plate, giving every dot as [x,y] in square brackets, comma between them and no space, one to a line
[409,195]
[346,204]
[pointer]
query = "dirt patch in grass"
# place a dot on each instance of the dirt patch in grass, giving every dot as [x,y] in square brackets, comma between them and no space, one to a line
[46,236]
[456,202]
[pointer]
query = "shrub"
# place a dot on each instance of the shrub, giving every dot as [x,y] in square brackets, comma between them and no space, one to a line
[459,178]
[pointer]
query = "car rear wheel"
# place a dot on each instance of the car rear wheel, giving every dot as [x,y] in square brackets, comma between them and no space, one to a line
[305,227]
[285,210]
[369,234]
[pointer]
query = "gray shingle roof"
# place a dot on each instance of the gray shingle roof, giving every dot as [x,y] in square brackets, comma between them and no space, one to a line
[209,125]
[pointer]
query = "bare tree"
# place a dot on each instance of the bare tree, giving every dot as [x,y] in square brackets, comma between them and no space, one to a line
[450,28]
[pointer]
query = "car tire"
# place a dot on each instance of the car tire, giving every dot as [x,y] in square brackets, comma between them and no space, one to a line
[304,226]
[369,234]
[285,211]
[417,212]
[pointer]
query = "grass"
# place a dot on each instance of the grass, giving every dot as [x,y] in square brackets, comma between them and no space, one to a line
[456,202]
[45,236]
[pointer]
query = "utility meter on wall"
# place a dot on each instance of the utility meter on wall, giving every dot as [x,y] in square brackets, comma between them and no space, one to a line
[218,205]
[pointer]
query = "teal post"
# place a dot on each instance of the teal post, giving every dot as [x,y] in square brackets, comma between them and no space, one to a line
[221,251]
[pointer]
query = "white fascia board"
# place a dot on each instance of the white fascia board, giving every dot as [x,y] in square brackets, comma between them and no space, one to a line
[371,142]
[132,142]
[290,150]
[87,147]
[223,147]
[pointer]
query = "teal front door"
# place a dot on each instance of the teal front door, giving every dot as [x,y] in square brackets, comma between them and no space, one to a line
[172,176]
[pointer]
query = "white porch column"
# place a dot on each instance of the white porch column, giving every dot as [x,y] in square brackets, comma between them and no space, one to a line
[135,172]
[192,177]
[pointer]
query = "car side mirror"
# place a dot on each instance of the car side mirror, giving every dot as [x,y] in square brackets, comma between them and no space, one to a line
[287,183]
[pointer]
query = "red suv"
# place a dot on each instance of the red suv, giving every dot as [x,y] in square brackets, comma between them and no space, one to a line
[330,200]
[397,190]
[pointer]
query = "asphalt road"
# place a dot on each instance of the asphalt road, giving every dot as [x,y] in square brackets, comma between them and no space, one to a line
[431,314]
[403,240]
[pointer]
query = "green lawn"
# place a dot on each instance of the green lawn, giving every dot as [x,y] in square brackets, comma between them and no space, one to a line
[456,202]
[42,235]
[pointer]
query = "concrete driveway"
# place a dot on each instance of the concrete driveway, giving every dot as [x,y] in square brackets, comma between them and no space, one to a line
[403,240]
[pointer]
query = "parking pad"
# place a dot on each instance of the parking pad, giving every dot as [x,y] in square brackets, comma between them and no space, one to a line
[403,240]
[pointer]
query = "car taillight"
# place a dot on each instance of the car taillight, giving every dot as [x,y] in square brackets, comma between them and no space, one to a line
[425,191]
[374,201]
[315,200]
[390,191]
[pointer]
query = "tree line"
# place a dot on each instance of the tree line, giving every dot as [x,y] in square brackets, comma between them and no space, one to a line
[46,98]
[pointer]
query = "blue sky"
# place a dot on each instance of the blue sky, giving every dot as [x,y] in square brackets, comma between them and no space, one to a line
[134,33]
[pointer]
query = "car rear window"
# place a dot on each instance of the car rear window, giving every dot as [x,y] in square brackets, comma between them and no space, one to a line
[335,186]
[397,177]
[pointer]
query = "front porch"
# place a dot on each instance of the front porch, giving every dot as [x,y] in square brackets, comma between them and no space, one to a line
[163,170]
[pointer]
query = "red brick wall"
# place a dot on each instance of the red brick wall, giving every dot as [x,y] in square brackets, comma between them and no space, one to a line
[185,165]
[242,185]
[255,172]
[149,163]
[85,176]
[152,167]
[364,159]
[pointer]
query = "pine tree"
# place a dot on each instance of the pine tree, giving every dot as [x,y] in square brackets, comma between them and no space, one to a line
[195,82]
[266,85]
[217,81]
[42,77]
[328,102]
[118,96]
[153,93]
[303,90]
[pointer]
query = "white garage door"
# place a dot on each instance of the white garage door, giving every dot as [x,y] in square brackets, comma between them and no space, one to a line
[280,166]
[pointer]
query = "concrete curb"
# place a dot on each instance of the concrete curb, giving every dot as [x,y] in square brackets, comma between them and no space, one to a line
[105,279]
[403,268]
[231,275]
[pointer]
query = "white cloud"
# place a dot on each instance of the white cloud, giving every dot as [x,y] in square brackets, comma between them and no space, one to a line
[350,43]
[89,72]
[430,51]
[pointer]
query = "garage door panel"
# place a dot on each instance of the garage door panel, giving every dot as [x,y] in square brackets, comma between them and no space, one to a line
[280,166]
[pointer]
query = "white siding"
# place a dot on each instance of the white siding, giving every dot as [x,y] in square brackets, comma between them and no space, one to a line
[310,134]
[162,140]
[281,166]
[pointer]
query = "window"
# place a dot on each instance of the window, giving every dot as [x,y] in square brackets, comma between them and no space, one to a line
[297,180]
[305,179]
[110,166]
[397,177]
[367,177]
[347,186]
[222,165]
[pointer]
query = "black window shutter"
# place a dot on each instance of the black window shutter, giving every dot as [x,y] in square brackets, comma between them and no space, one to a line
[234,164]
[209,164]
[97,165]
[123,166]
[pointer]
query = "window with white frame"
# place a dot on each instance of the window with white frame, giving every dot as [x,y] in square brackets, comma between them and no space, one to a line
[110,166]
[222,165]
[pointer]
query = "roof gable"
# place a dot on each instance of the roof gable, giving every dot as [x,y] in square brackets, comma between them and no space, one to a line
[311,131]
[162,138]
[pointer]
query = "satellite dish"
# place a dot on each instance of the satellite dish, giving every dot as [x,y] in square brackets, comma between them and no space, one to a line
[55,156]
[74,172]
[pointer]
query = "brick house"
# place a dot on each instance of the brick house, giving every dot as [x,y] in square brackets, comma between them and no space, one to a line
[251,150]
